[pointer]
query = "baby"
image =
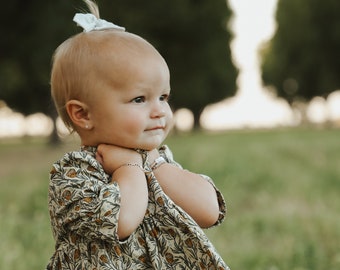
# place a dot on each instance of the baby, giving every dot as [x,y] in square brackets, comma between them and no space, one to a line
[122,202]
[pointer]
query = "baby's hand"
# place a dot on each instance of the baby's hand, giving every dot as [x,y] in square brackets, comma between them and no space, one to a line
[111,157]
[153,154]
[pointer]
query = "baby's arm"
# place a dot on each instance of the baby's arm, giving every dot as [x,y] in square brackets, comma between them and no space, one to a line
[190,191]
[132,184]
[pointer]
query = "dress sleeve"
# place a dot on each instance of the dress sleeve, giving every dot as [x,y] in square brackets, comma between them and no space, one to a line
[82,200]
[220,200]
[166,153]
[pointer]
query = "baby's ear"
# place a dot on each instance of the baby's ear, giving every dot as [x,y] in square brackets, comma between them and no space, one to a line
[79,114]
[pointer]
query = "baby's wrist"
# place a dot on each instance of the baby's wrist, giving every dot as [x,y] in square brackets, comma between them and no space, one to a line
[159,161]
[131,165]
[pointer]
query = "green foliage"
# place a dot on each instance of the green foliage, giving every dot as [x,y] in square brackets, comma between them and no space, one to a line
[303,58]
[31,31]
[282,189]
[192,36]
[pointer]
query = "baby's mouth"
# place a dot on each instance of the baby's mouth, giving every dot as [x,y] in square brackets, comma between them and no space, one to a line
[159,126]
[155,128]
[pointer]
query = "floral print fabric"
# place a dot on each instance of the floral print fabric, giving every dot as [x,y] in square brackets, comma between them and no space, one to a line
[84,207]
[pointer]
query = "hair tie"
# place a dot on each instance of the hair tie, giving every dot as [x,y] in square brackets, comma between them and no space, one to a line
[91,23]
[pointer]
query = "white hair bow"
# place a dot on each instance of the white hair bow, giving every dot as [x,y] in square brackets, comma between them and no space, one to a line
[91,23]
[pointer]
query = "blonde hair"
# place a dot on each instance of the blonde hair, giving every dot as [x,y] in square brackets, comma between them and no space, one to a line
[93,8]
[79,63]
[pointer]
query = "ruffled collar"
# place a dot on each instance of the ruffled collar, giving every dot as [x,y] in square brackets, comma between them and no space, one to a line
[91,150]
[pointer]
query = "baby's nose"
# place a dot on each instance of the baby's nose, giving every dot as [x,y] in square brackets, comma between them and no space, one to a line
[158,110]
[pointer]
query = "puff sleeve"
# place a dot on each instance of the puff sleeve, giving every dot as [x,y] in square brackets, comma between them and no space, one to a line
[166,153]
[82,200]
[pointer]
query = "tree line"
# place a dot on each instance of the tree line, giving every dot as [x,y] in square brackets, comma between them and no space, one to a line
[301,61]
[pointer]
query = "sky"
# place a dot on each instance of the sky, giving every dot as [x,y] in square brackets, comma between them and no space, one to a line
[252,25]
[253,106]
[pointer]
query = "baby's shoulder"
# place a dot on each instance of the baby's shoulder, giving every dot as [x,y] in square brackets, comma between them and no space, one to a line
[78,161]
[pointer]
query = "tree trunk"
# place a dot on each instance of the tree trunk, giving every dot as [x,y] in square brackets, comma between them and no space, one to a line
[54,139]
[197,115]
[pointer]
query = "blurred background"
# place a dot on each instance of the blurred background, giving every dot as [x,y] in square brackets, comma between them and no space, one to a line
[255,87]
[240,64]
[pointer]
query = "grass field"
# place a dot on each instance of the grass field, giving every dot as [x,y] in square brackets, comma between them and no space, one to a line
[282,188]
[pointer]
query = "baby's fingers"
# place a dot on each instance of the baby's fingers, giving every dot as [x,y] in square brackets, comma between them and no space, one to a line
[101,151]
[99,157]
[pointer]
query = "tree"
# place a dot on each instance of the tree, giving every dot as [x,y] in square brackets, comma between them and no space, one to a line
[31,30]
[303,58]
[192,36]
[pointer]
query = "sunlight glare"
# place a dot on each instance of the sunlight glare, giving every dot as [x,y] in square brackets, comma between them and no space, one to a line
[38,124]
[184,119]
[317,110]
[333,106]
[61,128]
[12,124]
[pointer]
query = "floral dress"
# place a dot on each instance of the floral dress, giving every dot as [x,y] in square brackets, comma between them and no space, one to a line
[84,207]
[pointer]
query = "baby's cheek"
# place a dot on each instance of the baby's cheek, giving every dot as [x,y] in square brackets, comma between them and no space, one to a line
[170,121]
[135,125]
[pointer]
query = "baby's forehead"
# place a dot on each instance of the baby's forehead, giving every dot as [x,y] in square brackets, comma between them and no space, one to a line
[114,55]
[116,48]
[116,41]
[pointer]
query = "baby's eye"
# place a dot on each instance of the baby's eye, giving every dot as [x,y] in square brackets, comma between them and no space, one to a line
[140,99]
[164,97]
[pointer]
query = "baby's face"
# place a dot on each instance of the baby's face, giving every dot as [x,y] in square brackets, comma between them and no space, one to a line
[136,114]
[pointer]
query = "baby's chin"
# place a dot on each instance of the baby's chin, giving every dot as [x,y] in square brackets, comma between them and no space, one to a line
[142,145]
[147,147]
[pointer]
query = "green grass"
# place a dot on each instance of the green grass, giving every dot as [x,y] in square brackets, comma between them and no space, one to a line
[282,188]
